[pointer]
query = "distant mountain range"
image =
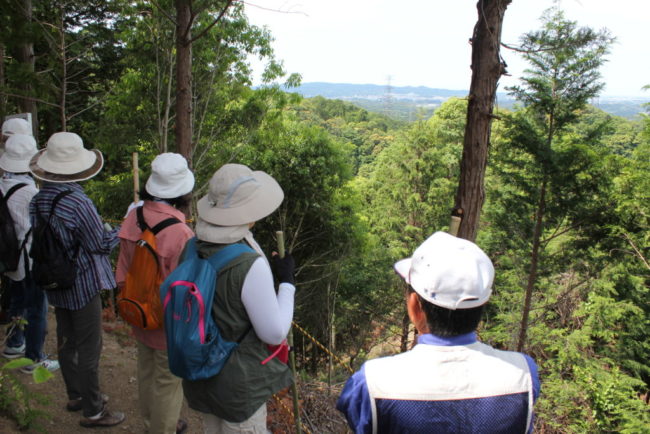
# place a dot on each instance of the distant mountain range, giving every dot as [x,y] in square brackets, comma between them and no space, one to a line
[411,102]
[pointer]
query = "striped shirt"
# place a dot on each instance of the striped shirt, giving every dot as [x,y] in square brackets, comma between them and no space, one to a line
[77,223]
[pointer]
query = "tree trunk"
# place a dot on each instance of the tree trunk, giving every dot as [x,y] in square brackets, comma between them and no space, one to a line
[25,55]
[487,68]
[406,322]
[63,116]
[3,98]
[532,273]
[184,79]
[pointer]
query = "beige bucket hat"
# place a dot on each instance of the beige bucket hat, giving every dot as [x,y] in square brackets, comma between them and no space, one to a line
[237,195]
[19,150]
[66,160]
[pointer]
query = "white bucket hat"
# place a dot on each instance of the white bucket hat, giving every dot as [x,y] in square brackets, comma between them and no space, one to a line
[16,126]
[449,272]
[66,160]
[19,150]
[170,176]
[238,196]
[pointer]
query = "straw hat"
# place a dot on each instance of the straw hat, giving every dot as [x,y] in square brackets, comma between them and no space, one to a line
[449,272]
[66,160]
[170,176]
[19,150]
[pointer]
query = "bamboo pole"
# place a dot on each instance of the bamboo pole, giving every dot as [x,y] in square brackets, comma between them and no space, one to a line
[292,356]
[136,178]
[454,224]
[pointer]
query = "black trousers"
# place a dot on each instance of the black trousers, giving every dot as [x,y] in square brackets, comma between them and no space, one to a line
[79,338]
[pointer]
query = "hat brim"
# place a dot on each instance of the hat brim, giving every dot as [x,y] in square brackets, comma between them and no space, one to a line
[83,175]
[14,166]
[177,190]
[403,268]
[264,201]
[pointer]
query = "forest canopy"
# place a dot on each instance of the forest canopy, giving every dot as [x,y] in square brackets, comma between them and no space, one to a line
[566,218]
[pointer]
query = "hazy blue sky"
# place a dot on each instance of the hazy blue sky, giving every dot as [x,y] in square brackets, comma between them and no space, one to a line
[425,42]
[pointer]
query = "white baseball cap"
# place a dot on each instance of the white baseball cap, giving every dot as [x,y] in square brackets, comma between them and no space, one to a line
[449,272]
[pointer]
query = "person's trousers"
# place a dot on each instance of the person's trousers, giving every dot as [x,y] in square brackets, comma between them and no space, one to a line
[28,301]
[256,424]
[160,392]
[79,338]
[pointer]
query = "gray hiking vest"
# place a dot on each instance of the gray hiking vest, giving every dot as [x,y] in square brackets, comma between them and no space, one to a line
[244,384]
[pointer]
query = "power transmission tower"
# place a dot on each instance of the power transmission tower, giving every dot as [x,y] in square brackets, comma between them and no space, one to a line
[388,98]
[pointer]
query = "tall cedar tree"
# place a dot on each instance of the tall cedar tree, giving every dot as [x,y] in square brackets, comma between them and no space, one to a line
[563,76]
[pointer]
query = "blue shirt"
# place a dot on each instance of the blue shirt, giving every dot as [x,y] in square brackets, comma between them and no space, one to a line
[77,223]
[355,401]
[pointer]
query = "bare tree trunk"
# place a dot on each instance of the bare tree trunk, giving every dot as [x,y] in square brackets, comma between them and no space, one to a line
[534,258]
[64,73]
[406,322]
[25,56]
[3,98]
[487,68]
[184,79]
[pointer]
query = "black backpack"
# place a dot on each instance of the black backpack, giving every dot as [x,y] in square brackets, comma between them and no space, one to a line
[53,267]
[10,246]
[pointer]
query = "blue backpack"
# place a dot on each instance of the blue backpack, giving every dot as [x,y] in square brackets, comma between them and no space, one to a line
[195,347]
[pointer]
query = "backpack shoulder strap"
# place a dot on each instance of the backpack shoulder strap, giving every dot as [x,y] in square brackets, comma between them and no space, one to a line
[227,254]
[57,199]
[142,223]
[12,190]
[164,224]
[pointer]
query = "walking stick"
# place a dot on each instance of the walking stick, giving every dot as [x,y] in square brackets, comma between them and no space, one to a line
[292,356]
[136,178]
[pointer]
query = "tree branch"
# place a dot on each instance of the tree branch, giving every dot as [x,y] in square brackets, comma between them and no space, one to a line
[638,252]
[29,98]
[216,20]
[164,12]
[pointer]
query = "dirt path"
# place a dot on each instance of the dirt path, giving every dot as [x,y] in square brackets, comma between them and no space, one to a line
[117,378]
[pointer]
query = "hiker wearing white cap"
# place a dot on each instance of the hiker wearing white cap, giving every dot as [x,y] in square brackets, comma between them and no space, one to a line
[27,300]
[62,207]
[167,191]
[449,382]
[246,307]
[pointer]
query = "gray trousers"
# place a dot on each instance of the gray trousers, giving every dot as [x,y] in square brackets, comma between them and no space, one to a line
[79,339]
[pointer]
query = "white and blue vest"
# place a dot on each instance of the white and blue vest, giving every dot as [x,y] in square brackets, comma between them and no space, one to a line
[451,389]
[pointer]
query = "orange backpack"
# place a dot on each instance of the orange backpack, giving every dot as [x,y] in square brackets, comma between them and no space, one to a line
[139,300]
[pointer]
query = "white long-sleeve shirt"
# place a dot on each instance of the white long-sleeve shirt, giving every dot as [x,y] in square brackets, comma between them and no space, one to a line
[270,313]
[18,205]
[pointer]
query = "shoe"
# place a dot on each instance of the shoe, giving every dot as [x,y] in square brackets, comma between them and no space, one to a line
[77,404]
[181,426]
[50,365]
[14,352]
[107,418]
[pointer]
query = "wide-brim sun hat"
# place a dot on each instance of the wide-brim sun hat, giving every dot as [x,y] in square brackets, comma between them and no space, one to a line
[16,126]
[449,272]
[66,160]
[19,150]
[170,176]
[238,195]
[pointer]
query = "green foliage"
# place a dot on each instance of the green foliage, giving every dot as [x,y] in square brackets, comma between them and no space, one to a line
[16,400]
